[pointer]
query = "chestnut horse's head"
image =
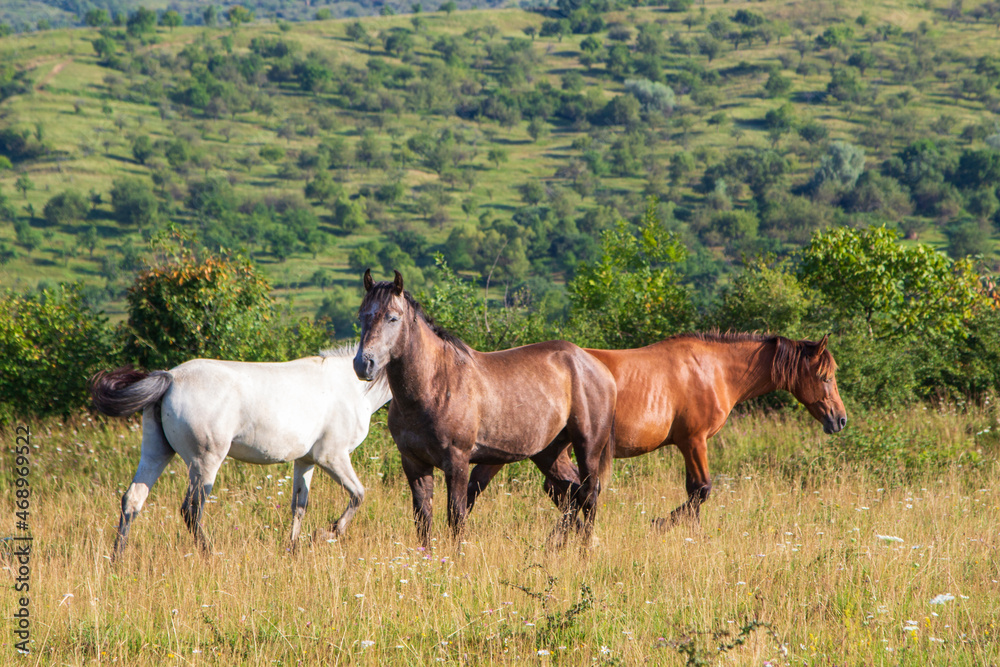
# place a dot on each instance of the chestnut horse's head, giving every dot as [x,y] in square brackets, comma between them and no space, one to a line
[383,315]
[807,369]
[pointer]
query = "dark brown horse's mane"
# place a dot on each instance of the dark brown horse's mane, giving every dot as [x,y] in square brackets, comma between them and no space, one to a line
[787,356]
[381,294]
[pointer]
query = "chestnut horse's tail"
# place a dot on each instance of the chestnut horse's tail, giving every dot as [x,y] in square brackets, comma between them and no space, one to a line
[126,391]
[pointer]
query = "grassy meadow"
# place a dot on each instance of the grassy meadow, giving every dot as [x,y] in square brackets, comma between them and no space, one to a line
[812,550]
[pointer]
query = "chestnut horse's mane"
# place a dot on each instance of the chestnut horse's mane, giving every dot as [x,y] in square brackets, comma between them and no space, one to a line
[381,294]
[787,356]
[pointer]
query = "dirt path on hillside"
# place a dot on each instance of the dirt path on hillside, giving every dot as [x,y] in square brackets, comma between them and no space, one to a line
[47,79]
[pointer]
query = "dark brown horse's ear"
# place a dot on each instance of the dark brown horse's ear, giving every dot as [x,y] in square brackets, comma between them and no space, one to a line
[368,280]
[398,283]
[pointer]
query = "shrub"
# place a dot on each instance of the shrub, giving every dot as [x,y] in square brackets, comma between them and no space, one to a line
[50,343]
[217,307]
[66,207]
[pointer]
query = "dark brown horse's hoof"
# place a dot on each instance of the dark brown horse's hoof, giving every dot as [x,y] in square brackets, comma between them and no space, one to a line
[663,524]
[324,535]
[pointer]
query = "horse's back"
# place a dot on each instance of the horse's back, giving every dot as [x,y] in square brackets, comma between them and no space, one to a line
[543,387]
[257,412]
[663,388]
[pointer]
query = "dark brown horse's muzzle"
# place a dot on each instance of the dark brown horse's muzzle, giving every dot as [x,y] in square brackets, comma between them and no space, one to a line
[364,367]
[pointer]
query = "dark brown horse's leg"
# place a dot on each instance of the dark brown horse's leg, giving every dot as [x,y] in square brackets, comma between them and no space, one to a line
[456,477]
[699,485]
[421,479]
[482,474]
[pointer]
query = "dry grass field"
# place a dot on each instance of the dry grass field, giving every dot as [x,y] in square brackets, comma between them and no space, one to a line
[812,550]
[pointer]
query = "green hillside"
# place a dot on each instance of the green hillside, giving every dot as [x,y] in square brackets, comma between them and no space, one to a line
[506,139]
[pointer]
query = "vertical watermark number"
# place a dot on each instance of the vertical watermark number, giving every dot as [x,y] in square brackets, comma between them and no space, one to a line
[22,540]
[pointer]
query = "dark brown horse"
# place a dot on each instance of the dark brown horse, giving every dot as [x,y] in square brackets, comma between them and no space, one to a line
[452,406]
[680,391]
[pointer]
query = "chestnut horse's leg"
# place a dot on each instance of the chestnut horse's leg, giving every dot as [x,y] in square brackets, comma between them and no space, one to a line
[699,485]
[482,474]
[561,478]
[421,478]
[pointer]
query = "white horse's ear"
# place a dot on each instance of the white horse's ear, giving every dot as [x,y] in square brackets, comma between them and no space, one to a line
[368,280]
[398,283]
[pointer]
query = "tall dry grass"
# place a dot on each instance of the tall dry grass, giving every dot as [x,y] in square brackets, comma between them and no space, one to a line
[791,564]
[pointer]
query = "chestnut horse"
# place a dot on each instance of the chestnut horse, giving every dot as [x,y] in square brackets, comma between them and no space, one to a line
[452,406]
[680,391]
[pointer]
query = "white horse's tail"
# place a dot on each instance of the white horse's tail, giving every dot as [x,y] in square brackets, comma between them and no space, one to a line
[125,391]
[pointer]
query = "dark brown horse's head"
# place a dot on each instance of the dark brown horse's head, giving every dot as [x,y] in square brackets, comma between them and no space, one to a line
[807,369]
[383,314]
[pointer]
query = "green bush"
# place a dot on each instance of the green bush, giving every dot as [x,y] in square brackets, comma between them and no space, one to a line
[217,307]
[50,344]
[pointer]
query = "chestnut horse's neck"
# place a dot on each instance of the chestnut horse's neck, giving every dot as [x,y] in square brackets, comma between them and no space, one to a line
[750,367]
[413,372]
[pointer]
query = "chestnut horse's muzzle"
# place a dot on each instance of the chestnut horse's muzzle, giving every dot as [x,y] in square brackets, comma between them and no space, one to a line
[832,424]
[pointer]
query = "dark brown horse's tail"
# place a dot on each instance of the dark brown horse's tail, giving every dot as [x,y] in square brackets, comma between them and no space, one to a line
[607,456]
[126,391]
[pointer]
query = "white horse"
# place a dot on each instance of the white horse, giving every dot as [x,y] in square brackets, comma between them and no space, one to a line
[313,411]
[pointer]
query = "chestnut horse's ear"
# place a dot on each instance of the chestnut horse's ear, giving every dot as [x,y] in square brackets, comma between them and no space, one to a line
[821,346]
[368,280]
[398,283]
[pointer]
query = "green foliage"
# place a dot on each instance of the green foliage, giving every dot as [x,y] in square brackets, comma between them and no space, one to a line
[765,296]
[66,207]
[50,344]
[134,203]
[840,167]
[893,289]
[632,294]
[217,307]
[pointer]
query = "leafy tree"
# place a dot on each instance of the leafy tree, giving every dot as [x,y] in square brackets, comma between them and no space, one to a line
[765,296]
[780,122]
[892,289]
[140,22]
[323,188]
[50,343]
[632,294]
[968,237]
[142,148]
[133,202]
[448,7]
[841,166]
[171,19]
[217,307]
[497,156]
[777,85]
[97,18]
[210,15]
[349,215]
[23,184]
[237,15]
[655,98]
[89,239]
[65,208]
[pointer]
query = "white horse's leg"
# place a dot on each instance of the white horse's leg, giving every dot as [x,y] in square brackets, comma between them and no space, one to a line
[338,466]
[201,478]
[156,454]
[300,496]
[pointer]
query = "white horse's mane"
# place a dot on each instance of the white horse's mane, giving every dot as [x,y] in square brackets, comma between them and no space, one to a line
[344,350]
[349,350]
